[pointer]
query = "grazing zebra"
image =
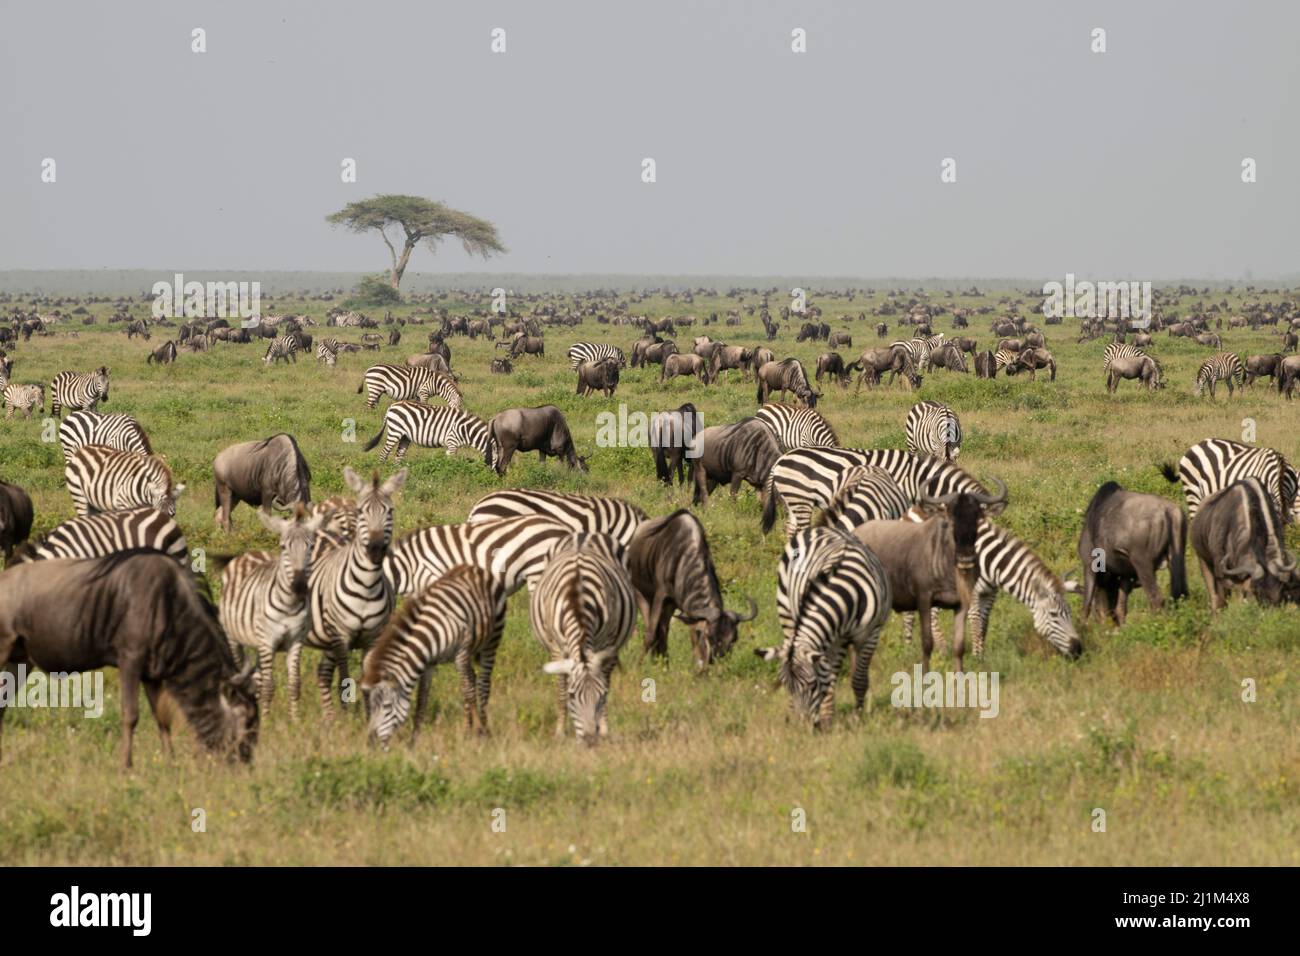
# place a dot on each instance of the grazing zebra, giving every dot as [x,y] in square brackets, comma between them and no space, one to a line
[1002,358]
[431,426]
[1116,350]
[1214,464]
[114,431]
[808,478]
[108,479]
[609,516]
[408,382]
[460,617]
[23,398]
[866,493]
[74,390]
[327,351]
[583,610]
[282,348]
[797,427]
[264,600]
[350,598]
[933,429]
[918,352]
[591,352]
[1224,365]
[513,549]
[99,535]
[831,594]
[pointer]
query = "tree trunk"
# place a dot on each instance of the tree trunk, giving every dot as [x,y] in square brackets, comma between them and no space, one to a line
[400,266]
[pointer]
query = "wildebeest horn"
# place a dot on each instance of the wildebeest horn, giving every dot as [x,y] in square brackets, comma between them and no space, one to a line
[987,499]
[944,500]
[753,611]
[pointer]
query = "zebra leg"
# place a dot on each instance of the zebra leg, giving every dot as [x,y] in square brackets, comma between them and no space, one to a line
[487,659]
[980,621]
[860,679]
[958,636]
[561,705]
[421,700]
[468,692]
[265,675]
[294,663]
[939,640]
[602,726]
[907,626]
[161,714]
[237,652]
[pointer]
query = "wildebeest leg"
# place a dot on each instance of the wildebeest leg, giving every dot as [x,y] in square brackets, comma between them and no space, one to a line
[663,620]
[959,635]
[421,700]
[736,479]
[4,669]
[1147,578]
[1121,601]
[224,505]
[161,714]
[1211,587]
[927,635]
[294,664]
[130,690]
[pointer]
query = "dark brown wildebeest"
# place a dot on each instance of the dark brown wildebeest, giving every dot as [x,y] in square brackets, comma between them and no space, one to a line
[1238,538]
[1210,340]
[268,473]
[1126,537]
[394,336]
[139,327]
[840,339]
[656,352]
[1142,340]
[832,363]
[882,329]
[964,343]
[1289,341]
[874,362]
[1031,360]
[1141,367]
[1288,371]
[15,517]
[430,360]
[949,357]
[730,454]
[140,612]
[524,345]
[727,357]
[1262,366]
[163,354]
[680,364]
[501,367]
[1035,340]
[542,429]
[672,437]
[672,570]
[761,357]
[599,376]
[787,375]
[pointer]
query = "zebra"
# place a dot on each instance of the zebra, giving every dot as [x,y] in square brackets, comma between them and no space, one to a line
[1214,464]
[933,429]
[264,600]
[513,549]
[404,382]
[591,352]
[349,595]
[1224,365]
[459,617]
[327,351]
[582,611]
[99,535]
[918,352]
[108,479]
[866,493]
[1117,350]
[831,594]
[609,516]
[75,391]
[797,427]
[283,348]
[1002,358]
[808,478]
[114,431]
[23,398]
[431,426]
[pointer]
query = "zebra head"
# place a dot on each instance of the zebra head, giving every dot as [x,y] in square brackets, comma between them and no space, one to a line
[389,705]
[160,490]
[1052,618]
[805,673]
[297,536]
[99,382]
[586,690]
[374,511]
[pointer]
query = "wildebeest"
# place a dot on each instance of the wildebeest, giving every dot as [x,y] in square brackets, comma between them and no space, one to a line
[501,367]
[1033,359]
[525,345]
[434,361]
[599,376]
[1237,535]
[542,429]
[1262,366]
[684,364]
[140,612]
[840,339]
[730,454]
[832,363]
[267,473]
[1126,537]
[875,362]
[672,437]
[727,357]
[15,517]
[672,570]
[787,375]
[986,365]
[1141,367]
[1288,370]
[162,354]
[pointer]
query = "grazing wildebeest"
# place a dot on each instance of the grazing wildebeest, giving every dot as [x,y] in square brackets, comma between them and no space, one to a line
[672,438]
[525,345]
[760,358]
[727,357]
[787,375]
[434,361]
[672,570]
[875,362]
[15,517]
[1237,534]
[501,367]
[832,363]
[1262,366]
[162,354]
[599,376]
[394,336]
[1287,372]
[267,473]
[542,429]
[882,329]
[1210,339]
[730,454]
[1033,359]
[840,339]
[1141,367]
[1126,537]
[140,612]
[684,364]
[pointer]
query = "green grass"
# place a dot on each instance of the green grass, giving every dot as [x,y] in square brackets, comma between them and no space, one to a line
[1149,725]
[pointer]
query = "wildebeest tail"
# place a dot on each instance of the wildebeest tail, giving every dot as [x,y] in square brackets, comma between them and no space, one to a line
[1177,533]
[769,506]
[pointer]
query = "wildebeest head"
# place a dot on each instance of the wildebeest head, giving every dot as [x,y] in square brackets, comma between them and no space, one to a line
[714,631]
[293,476]
[297,534]
[374,510]
[239,717]
[964,510]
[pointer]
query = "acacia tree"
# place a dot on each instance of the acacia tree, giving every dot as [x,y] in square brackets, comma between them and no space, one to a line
[420,220]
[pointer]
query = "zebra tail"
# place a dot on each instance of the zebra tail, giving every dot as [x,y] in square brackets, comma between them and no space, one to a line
[361,387]
[1169,472]
[375,441]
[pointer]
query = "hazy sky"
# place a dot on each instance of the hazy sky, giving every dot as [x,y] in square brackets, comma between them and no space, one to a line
[1114,165]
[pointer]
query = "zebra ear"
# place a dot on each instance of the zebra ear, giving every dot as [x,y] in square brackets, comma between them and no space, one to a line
[394,484]
[354,481]
[558,667]
[178,490]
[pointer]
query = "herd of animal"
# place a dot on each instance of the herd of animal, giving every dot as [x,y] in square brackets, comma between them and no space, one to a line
[869,531]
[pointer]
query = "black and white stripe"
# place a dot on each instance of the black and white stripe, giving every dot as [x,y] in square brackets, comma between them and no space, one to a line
[327,351]
[1002,358]
[1214,464]
[99,535]
[610,516]
[583,610]
[918,352]
[22,398]
[408,382]
[460,617]
[114,431]
[515,550]
[76,390]
[1117,350]
[108,479]
[933,429]
[581,352]
[866,493]
[832,594]
[796,426]
[283,348]
[1225,366]
[430,426]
